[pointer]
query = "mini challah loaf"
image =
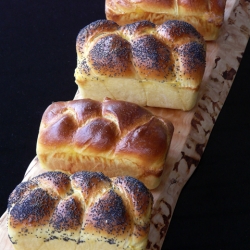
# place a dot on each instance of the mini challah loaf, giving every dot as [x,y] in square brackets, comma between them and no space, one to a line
[113,137]
[86,210]
[206,16]
[157,66]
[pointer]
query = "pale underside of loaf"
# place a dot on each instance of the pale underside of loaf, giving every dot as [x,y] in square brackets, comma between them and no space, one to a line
[36,242]
[69,159]
[39,240]
[144,93]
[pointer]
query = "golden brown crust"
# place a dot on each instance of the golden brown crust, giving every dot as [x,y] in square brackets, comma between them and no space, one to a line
[114,137]
[69,220]
[206,16]
[123,62]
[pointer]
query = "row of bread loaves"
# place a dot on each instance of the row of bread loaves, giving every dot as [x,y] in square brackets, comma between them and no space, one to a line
[105,151]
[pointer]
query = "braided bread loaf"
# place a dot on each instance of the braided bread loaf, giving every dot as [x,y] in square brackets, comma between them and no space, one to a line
[114,137]
[86,210]
[206,16]
[157,66]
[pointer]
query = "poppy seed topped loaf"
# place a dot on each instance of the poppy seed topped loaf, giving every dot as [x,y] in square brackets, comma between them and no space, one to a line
[86,210]
[147,64]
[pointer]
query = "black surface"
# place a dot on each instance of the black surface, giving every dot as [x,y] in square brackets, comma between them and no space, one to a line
[38,58]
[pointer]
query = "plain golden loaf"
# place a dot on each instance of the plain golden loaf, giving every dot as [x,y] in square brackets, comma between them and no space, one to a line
[147,64]
[86,210]
[114,137]
[206,16]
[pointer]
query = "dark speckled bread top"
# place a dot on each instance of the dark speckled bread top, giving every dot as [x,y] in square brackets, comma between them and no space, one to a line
[86,210]
[141,50]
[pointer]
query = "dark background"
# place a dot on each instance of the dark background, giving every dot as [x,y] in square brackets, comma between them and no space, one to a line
[37,62]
